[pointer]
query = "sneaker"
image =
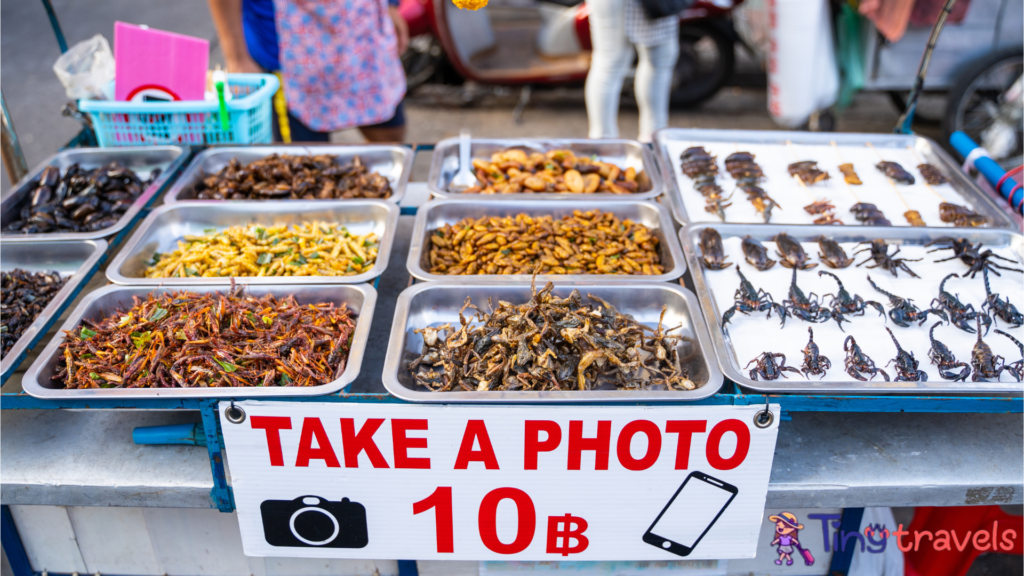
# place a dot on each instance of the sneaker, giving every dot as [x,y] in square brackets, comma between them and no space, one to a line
[789,562]
[779,562]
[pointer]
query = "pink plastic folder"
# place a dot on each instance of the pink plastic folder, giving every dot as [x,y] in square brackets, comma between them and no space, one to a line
[158,65]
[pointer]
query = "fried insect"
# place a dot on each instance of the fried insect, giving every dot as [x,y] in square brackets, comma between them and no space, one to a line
[770,365]
[79,201]
[988,366]
[858,363]
[187,340]
[807,171]
[829,219]
[971,255]
[1000,308]
[747,173]
[943,358]
[895,172]
[299,177]
[551,343]
[869,214]
[748,299]
[756,254]
[807,307]
[903,310]
[819,207]
[832,254]
[592,242]
[306,249]
[702,167]
[906,365]
[712,252]
[914,218]
[960,216]
[792,252]
[1017,367]
[959,313]
[932,174]
[849,175]
[23,296]
[845,304]
[879,253]
[512,171]
[814,362]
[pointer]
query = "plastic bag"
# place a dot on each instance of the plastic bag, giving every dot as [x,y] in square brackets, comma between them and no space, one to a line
[86,69]
[802,73]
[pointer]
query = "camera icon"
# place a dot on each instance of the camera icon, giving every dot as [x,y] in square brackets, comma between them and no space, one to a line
[312,521]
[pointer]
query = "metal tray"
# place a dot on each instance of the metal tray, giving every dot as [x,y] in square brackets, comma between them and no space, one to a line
[433,214]
[361,298]
[168,224]
[392,162]
[435,303]
[77,258]
[714,303]
[791,195]
[623,153]
[142,160]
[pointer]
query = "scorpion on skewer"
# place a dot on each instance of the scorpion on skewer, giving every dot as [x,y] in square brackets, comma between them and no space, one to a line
[814,362]
[749,299]
[999,308]
[845,304]
[906,365]
[943,358]
[959,313]
[858,363]
[903,312]
[988,366]
[770,365]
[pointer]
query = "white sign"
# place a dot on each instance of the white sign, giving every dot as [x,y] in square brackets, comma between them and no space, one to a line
[393,481]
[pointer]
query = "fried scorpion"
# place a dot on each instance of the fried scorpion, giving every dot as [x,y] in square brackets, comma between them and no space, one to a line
[749,299]
[906,365]
[843,304]
[943,358]
[903,312]
[807,307]
[999,308]
[959,313]
[1016,367]
[814,362]
[769,368]
[988,366]
[858,363]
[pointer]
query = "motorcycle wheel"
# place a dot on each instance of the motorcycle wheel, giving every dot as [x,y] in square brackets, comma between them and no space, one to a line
[421,60]
[706,61]
[975,104]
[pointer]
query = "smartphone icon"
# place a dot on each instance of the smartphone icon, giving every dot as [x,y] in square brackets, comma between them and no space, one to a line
[691,512]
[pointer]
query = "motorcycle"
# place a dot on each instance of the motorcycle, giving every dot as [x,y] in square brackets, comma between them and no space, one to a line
[548,44]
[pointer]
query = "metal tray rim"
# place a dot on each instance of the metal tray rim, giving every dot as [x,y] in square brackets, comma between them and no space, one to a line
[41,325]
[966,187]
[144,199]
[648,156]
[31,385]
[689,238]
[398,190]
[402,309]
[383,253]
[419,232]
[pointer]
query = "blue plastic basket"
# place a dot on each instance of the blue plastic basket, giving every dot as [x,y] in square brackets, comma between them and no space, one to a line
[189,123]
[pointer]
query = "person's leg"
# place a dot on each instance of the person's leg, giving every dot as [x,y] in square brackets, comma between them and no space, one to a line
[653,85]
[609,63]
[392,130]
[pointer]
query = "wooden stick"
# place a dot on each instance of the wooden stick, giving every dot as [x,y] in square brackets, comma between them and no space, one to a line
[925,182]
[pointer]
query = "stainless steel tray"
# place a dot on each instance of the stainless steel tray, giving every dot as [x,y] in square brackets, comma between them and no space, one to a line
[168,224]
[76,258]
[143,160]
[817,146]
[392,162]
[360,298]
[435,213]
[435,303]
[624,153]
[715,302]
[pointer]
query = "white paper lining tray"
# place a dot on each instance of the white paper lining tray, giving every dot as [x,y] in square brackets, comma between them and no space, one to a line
[165,226]
[749,336]
[392,162]
[360,299]
[774,155]
[142,160]
[435,303]
[75,258]
[623,153]
[436,213]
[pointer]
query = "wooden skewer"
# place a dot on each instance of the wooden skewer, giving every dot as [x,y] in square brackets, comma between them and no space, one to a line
[848,187]
[925,182]
[891,183]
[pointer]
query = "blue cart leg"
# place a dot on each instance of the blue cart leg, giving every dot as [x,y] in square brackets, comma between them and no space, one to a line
[13,546]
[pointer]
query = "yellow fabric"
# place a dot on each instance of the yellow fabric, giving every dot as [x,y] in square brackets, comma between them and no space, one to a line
[281,107]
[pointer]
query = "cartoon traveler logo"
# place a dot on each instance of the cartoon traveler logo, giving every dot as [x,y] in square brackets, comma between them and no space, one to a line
[787,529]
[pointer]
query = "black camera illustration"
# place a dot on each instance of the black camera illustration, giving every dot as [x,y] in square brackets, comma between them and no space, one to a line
[312,521]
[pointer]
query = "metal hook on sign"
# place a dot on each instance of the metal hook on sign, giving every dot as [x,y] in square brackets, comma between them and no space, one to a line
[764,418]
[234,414]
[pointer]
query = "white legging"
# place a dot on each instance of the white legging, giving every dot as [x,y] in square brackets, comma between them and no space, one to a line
[609,64]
